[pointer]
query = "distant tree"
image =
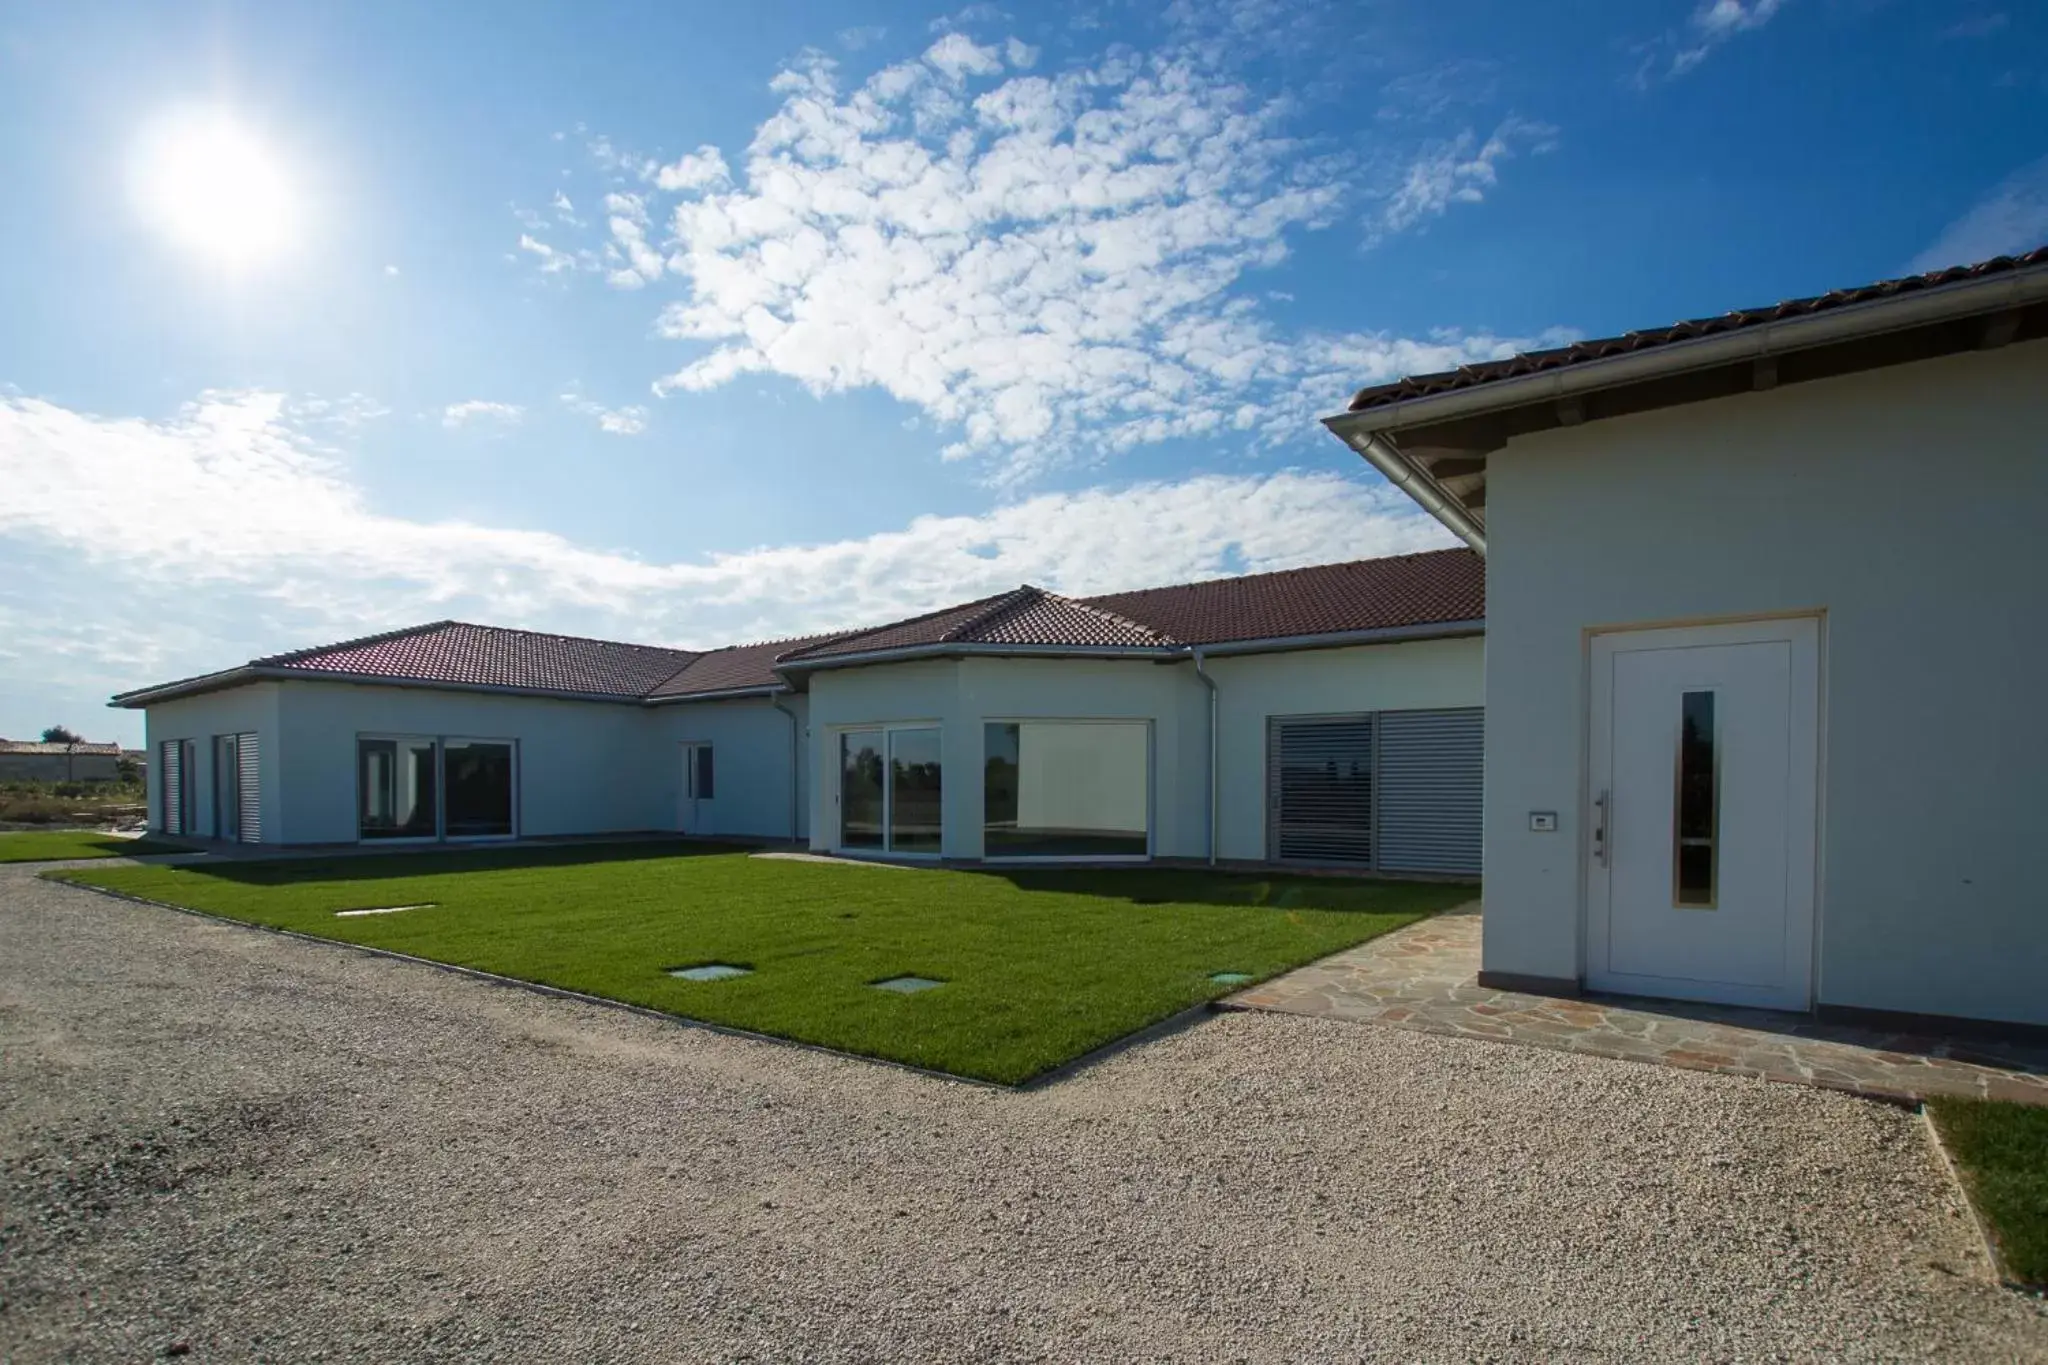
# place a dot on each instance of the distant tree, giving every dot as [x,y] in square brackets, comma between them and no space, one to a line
[58,734]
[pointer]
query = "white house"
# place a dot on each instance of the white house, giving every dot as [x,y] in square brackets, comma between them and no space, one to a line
[1765,647]
[1325,716]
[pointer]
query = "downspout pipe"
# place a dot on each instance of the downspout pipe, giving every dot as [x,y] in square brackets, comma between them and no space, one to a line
[1202,672]
[1386,457]
[796,766]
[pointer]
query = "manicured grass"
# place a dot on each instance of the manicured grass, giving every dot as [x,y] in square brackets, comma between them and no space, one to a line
[2003,1152]
[46,845]
[1039,967]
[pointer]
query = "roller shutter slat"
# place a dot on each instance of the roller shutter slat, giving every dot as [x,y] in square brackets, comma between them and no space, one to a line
[1432,774]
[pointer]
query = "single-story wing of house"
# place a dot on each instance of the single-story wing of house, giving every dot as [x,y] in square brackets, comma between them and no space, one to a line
[1765,647]
[1320,716]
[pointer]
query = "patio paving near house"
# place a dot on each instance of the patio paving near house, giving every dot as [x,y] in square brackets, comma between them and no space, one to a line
[1424,978]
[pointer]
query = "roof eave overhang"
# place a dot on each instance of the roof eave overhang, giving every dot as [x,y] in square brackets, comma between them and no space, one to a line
[1434,446]
[720,694]
[1383,635]
[1944,303]
[239,677]
[794,667]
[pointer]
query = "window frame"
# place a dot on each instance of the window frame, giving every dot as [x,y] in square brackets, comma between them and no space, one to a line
[1151,791]
[439,744]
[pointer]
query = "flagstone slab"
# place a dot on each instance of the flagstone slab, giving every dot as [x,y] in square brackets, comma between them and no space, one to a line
[1425,978]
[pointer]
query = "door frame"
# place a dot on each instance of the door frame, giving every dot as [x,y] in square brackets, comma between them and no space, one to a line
[688,809]
[885,729]
[1805,632]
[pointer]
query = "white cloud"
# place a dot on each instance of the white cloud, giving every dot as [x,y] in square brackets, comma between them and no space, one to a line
[1460,171]
[854,39]
[1713,23]
[1043,263]
[956,57]
[240,535]
[391,271]
[626,421]
[2011,219]
[693,170]
[482,410]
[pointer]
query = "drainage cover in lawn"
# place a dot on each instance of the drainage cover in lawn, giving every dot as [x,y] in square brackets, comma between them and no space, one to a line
[383,910]
[709,971]
[906,985]
[1230,978]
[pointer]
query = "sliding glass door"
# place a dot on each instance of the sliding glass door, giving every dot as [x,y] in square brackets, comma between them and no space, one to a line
[396,787]
[890,790]
[430,787]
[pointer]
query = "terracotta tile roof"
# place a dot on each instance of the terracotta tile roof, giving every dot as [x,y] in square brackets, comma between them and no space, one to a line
[1024,616]
[491,656]
[37,746]
[1578,353]
[736,667]
[1366,594]
[1372,594]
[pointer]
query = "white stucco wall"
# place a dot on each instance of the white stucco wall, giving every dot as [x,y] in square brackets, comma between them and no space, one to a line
[584,767]
[751,768]
[1907,504]
[1252,687]
[960,697]
[238,710]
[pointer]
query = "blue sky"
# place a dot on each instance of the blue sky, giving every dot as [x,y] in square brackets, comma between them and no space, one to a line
[695,324]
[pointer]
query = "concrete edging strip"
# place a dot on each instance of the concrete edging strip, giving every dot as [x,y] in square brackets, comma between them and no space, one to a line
[1994,1264]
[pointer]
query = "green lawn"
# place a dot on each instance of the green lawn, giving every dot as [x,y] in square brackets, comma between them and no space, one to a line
[1039,966]
[2003,1150]
[40,845]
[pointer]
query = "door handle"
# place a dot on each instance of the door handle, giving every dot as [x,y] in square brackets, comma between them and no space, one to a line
[1603,813]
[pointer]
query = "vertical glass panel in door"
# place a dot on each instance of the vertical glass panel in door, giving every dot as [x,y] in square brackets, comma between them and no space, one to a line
[395,782]
[1696,824]
[477,780]
[860,789]
[914,806]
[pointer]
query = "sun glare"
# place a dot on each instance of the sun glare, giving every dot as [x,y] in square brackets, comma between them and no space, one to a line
[212,186]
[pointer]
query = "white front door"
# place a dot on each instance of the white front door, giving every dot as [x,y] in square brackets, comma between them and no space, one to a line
[699,791]
[1704,765]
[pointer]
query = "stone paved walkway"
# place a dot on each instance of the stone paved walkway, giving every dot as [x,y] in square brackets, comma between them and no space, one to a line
[1424,978]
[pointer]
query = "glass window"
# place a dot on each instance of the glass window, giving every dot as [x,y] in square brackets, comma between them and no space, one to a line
[705,789]
[395,783]
[860,789]
[914,791]
[227,796]
[1064,789]
[477,783]
[1697,822]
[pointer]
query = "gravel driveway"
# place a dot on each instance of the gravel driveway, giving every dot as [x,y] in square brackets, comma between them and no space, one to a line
[253,1148]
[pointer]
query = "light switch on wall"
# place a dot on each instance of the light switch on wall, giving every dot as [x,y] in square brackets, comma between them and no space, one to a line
[1543,821]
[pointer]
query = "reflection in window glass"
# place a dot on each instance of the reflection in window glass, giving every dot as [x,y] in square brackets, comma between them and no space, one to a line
[914,791]
[1064,789]
[860,789]
[477,782]
[1697,826]
[395,782]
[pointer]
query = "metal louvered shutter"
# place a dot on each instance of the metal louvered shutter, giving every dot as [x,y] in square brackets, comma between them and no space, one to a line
[170,783]
[1431,777]
[1319,789]
[250,808]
